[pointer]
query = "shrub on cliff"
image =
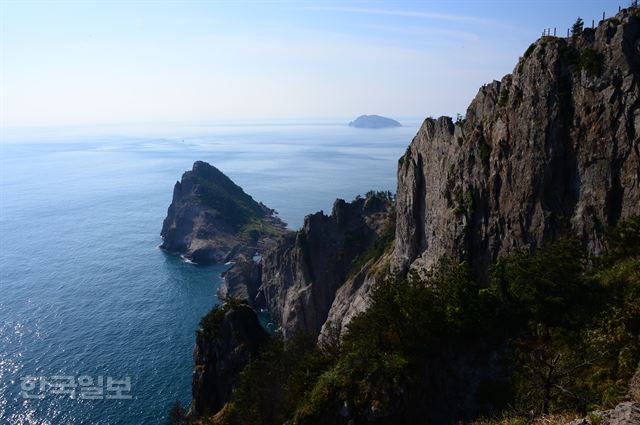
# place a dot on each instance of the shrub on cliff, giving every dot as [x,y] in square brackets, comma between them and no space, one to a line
[210,323]
[555,331]
[273,384]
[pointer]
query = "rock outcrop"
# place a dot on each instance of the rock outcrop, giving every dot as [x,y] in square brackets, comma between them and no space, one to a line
[352,298]
[301,275]
[625,413]
[553,146]
[229,336]
[212,220]
[243,280]
[374,121]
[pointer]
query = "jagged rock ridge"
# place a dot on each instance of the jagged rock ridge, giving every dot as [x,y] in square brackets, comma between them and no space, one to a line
[212,220]
[552,146]
[301,275]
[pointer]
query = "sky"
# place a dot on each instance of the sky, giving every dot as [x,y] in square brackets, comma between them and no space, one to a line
[89,63]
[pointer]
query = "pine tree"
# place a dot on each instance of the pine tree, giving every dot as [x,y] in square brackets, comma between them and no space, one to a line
[577,27]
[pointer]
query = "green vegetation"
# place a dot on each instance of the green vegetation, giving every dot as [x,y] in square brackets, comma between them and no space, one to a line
[546,39]
[379,247]
[387,195]
[230,201]
[503,98]
[210,323]
[587,59]
[577,27]
[554,333]
[273,385]
[258,228]
[529,50]
[590,61]
[463,202]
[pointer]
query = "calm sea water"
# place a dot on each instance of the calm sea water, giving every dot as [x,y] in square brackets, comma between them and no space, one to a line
[84,291]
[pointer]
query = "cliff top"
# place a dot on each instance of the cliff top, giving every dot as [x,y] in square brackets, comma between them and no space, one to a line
[216,190]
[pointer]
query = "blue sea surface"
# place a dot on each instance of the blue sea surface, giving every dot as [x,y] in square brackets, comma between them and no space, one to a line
[84,290]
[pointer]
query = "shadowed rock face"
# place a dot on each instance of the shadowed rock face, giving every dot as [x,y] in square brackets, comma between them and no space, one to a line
[374,121]
[220,354]
[242,281]
[553,146]
[212,220]
[301,275]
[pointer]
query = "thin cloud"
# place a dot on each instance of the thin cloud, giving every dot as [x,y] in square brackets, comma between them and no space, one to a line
[406,13]
[451,35]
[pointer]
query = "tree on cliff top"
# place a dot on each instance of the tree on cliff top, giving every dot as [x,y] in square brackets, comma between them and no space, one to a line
[577,27]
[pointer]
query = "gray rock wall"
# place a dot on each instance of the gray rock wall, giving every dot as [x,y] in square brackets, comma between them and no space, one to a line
[554,145]
[301,275]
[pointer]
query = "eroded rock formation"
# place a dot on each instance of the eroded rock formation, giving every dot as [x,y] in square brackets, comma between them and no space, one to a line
[552,146]
[301,275]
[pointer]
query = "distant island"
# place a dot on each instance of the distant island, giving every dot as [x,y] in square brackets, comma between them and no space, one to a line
[374,121]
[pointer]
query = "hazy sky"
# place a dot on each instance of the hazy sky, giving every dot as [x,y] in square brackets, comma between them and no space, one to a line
[84,62]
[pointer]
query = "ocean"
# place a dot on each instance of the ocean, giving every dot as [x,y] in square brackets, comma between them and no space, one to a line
[97,324]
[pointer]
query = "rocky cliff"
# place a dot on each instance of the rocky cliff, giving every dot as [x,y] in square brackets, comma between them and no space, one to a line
[227,339]
[301,275]
[212,220]
[243,280]
[550,147]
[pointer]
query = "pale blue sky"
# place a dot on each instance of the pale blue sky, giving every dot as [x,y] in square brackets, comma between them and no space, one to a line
[83,63]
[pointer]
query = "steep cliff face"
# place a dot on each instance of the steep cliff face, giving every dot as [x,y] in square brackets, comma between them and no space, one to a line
[554,145]
[230,335]
[352,298]
[212,220]
[242,280]
[301,275]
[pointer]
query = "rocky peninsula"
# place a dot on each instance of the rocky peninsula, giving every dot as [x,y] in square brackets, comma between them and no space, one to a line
[212,220]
